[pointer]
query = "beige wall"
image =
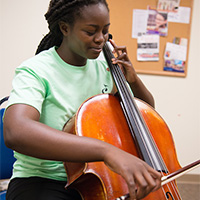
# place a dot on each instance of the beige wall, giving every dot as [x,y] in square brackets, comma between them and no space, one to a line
[22,26]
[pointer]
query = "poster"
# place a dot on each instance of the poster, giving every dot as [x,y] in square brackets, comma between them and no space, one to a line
[148,48]
[175,55]
[157,22]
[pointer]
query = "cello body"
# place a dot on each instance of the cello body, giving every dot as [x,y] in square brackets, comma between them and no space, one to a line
[102,117]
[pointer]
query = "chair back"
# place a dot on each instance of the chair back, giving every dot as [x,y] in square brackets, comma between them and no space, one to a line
[6,155]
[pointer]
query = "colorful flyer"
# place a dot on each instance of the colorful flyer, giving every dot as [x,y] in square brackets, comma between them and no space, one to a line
[157,22]
[175,55]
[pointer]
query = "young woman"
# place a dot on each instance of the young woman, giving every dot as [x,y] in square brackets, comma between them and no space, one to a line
[47,91]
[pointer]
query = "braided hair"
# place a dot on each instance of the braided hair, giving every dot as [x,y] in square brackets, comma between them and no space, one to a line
[62,10]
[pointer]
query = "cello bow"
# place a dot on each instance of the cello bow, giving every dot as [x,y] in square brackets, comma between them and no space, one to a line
[172,176]
[180,172]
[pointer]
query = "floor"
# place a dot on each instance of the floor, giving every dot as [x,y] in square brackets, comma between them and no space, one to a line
[189,190]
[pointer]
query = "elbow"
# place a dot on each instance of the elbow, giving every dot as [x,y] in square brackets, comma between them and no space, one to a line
[153,103]
[9,137]
[151,100]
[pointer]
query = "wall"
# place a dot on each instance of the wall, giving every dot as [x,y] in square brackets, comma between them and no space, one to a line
[22,26]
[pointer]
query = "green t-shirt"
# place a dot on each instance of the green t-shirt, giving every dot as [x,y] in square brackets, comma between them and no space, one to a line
[56,89]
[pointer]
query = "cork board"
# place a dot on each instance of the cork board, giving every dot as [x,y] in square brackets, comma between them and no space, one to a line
[121,15]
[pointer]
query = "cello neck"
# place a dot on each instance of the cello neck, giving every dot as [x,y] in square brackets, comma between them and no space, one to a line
[140,133]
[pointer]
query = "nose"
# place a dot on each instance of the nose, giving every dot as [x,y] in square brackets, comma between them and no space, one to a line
[99,38]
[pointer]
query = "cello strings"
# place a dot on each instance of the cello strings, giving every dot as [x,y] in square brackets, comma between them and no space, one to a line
[118,73]
[121,83]
[127,99]
[171,183]
[134,113]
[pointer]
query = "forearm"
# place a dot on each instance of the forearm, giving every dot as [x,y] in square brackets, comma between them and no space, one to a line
[140,91]
[35,139]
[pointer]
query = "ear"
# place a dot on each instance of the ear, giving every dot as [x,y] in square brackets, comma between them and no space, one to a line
[64,28]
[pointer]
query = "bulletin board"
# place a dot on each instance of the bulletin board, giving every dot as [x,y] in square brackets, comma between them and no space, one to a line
[121,16]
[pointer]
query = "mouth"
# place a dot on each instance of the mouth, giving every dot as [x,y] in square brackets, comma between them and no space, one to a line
[96,49]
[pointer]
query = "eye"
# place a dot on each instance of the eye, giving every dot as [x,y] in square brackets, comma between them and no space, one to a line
[90,33]
[105,31]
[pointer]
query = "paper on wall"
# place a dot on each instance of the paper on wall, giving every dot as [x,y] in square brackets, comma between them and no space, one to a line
[182,16]
[148,48]
[168,5]
[139,25]
[175,52]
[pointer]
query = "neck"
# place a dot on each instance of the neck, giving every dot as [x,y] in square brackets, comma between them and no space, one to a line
[67,57]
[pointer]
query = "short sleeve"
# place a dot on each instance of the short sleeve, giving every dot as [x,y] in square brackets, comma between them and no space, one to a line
[28,88]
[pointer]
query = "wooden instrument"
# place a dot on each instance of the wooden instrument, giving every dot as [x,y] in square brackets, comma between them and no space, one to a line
[129,124]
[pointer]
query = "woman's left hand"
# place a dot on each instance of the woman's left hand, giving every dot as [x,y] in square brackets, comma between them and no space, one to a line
[138,88]
[124,62]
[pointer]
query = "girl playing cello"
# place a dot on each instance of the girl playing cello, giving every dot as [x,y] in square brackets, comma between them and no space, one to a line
[47,91]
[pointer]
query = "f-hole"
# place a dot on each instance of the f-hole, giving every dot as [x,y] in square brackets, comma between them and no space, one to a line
[168,195]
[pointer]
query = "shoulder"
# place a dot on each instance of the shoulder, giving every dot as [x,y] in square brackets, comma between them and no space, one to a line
[42,58]
[39,64]
[100,64]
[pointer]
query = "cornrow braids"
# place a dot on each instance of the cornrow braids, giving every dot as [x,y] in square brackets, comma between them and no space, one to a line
[62,10]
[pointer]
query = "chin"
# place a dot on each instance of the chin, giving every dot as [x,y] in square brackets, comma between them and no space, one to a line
[94,56]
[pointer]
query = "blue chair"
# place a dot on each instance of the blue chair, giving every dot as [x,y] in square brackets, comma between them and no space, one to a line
[3,195]
[6,154]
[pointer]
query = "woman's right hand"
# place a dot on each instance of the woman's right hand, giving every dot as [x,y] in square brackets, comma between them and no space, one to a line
[139,176]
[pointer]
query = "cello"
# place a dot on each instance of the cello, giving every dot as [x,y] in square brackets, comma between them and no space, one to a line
[131,125]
